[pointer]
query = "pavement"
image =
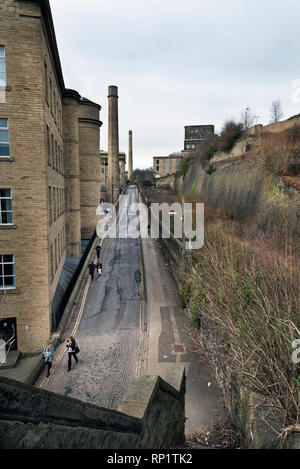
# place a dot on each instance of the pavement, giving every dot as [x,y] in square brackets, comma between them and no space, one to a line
[169,341]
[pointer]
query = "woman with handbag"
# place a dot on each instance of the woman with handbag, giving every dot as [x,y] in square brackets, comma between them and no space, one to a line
[48,354]
[73,349]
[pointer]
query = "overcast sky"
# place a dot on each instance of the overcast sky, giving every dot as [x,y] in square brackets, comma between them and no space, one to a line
[179,63]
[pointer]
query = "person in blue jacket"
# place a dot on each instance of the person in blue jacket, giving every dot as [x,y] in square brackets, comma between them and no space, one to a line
[48,354]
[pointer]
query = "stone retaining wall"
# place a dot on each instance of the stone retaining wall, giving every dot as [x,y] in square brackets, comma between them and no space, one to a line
[152,415]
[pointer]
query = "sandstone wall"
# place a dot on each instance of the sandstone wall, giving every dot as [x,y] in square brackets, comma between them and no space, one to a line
[151,415]
[24,173]
[89,144]
[241,187]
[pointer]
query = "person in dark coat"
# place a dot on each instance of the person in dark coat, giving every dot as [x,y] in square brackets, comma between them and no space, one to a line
[98,250]
[71,347]
[92,268]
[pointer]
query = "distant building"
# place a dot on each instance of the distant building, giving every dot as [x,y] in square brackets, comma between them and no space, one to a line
[196,134]
[104,172]
[165,165]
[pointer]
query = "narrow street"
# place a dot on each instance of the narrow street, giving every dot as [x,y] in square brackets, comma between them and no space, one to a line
[131,323]
[109,334]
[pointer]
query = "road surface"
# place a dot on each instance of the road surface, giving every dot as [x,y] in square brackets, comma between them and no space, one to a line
[110,333]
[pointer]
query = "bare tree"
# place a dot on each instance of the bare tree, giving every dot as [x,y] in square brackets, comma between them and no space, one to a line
[276,111]
[247,118]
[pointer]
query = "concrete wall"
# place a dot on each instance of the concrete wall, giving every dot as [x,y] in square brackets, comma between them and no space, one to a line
[151,416]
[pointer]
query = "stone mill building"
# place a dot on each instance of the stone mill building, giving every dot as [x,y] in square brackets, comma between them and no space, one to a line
[49,175]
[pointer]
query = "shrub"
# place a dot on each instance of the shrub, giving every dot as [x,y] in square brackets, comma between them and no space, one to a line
[185,292]
[211,169]
[244,299]
[279,152]
[185,166]
[211,151]
[293,169]
[230,133]
[194,185]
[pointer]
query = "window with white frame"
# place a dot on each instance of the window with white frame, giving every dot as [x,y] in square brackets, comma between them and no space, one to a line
[4,139]
[2,67]
[5,207]
[7,271]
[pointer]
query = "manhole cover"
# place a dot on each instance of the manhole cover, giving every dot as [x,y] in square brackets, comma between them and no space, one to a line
[179,348]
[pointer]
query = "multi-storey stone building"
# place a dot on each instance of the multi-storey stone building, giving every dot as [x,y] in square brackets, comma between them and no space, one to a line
[194,135]
[104,172]
[165,165]
[49,173]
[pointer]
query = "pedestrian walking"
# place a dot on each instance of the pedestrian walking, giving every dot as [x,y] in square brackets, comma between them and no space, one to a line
[73,349]
[99,271]
[48,354]
[98,250]
[92,268]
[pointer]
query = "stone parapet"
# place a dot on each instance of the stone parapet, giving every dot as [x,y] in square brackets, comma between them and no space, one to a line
[152,415]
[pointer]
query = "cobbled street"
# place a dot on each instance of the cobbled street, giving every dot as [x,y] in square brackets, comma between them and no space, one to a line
[110,333]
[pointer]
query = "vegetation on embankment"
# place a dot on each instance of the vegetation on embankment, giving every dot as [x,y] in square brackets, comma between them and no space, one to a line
[242,294]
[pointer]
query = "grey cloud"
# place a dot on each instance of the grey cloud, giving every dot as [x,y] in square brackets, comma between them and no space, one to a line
[178,63]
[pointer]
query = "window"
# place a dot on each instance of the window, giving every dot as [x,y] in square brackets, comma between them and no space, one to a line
[7,271]
[193,145]
[50,93]
[48,145]
[157,168]
[2,67]
[4,140]
[52,151]
[51,263]
[46,82]
[171,165]
[50,204]
[157,162]
[54,105]
[55,255]
[59,248]
[55,156]
[5,207]
[187,146]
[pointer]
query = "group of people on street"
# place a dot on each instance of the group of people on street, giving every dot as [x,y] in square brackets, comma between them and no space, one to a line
[92,266]
[48,354]
[72,347]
